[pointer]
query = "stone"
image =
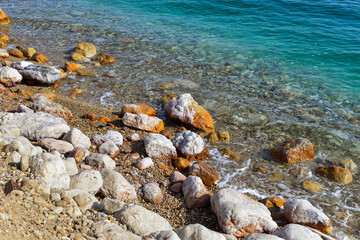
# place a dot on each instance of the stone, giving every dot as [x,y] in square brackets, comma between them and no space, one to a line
[77,153]
[311,186]
[109,148]
[143,122]
[145,163]
[77,57]
[85,49]
[162,235]
[105,229]
[176,187]
[42,104]
[69,66]
[86,201]
[141,221]
[223,136]
[51,144]
[273,202]
[99,161]
[152,193]
[70,166]
[116,186]
[166,98]
[186,110]
[199,232]
[77,139]
[20,65]
[138,108]
[294,151]
[167,134]
[24,109]
[24,163]
[158,146]
[109,135]
[90,116]
[29,52]
[195,193]
[40,58]
[263,236]
[190,145]
[133,138]
[10,186]
[207,174]
[348,164]
[9,76]
[232,155]
[111,206]
[10,143]
[2,45]
[103,58]
[302,212]
[15,53]
[72,209]
[4,53]
[85,72]
[239,215]
[41,74]
[181,163]
[336,174]
[3,18]
[296,232]
[3,37]
[87,180]
[176,177]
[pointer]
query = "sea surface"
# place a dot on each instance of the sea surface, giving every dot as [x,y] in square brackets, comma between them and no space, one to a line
[266,71]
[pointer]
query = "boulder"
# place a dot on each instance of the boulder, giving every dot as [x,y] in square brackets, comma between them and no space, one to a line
[51,144]
[87,180]
[303,212]
[109,148]
[141,221]
[143,122]
[41,74]
[105,229]
[207,174]
[190,145]
[336,174]
[185,109]
[195,192]
[158,146]
[145,163]
[9,76]
[162,235]
[15,53]
[110,135]
[263,236]
[103,58]
[77,139]
[39,57]
[85,49]
[239,215]
[138,108]
[116,186]
[98,160]
[294,151]
[152,193]
[3,18]
[20,65]
[296,232]
[111,206]
[43,104]
[199,232]
[70,166]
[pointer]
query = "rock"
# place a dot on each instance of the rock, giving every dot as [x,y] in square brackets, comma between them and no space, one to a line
[85,49]
[138,108]
[42,104]
[51,144]
[199,232]
[239,215]
[24,163]
[207,174]
[70,166]
[162,235]
[104,59]
[77,139]
[10,186]
[109,148]
[9,76]
[100,161]
[87,180]
[24,109]
[29,52]
[20,65]
[110,231]
[181,163]
[134,137]
[110,135]
[311,186]
[263,236]
[3,18]
[185,109]
[69,66]
[10,143]
[40,58]
[219,136]
[143,122]
[176,177]
[294,151]
[190,145]
[158,146]
[195,192]
[296,232]
[145,163]
[50,168]
[152,193]
[348,164]
[116,186]
[111,206]
[77,57]
[86,201]
[142,221]
[41,74]
[72,209]
[3,37]
[176,187]
[303,212]
[232,155]
[336,174]
[85,72]
[90,116]
[15,53]
[166,98]
[273,202]
[167,134]
[78,154]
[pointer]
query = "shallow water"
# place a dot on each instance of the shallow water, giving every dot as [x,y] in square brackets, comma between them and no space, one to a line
[263,77]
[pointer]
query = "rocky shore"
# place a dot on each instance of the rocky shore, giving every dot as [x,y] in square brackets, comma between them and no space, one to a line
[70,170]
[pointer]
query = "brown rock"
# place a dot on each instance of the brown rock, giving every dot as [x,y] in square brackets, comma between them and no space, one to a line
[294,151]
[69,66]
[77,153]
[85,49]
[138,108]
[167,134]
[176,187]
[275,176]
[85,72]
[273,202]
[15,53]
[181,129]
[336,174]
[3,37]
[232,155]
[20,48]
[11,185]
[260,170]
[166,98]
[311,186]
[177,177]
[29,52]
[104,120]
[195,193]
[104,59]
[3,18]
[223,136]
[38,57]
[2,87]
[207,174]
[91,116]
[54,144]
[181,163]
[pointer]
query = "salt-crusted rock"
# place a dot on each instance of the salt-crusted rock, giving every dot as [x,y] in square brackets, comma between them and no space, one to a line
[41,74]
[70,193]
[190,145]
[24,163]
[50,168]
[263,236]
[99,161]
[110,231]
[207,174]
[145,163]
[142,221]
[296,232]
[10,76]
[88,180]
[9,129]
[20,65]
[185,109]
[158,146]
[303,212]
[177,177]
[109,148]
[239,215]
[294,151]
[105,58]
[199,232]
[111,206]
[162,235]
[85,49]
[14,157]
[116,186]
[10,143]
[143,122]
[78,154]
[43,104]
[51,144]
[336,174]
[77,138]
[4,53]
[3,18]
[24,109]
[195,192]
[152,193]
[70,166]
[138,108]
[86,201]
[110,135]
[134,137]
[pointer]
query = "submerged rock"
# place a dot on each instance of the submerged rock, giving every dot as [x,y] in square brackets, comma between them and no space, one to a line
[105,58]
[3,18]
[336,174]
[84,50]
[294,151]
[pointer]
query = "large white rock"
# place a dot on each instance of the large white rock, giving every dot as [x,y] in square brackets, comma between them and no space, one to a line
[143,122]
[10,76]
[158,146]
[77,138]
[296,232]
[41,74]
[20,65]
[109,148]
[195,192]
[141,221]
[10,143]
[263,236]
[116,186]
[187,142]
[110,231]
[110,135]
[98,160]
[88,180]
[239,215]
[199,232]
[70,166]
[162,235]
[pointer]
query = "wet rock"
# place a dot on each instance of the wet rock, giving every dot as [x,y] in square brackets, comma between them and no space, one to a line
[145,163]
[134,137]
[9,76]
[69,66]
[20,65]
[304,213]
[87,180]
[86,201]
[29,52]
[273,202]
[348,164]
[40,58]
[77,153]
[152,193]
[3,37]
[41,74]
[15,53]
[42,104]
[85,72]
[109,148]
[176,177]
[110,135]
[158,146]
[294,151]
[232,155]
[143,122]
[195,192]
[77,139]
[142,221]
[138,108]
[223,136]
[3,18]
[185,109]
[263,236]
[296,232]
[99,161]
[107,230]
[181,163]
[70,166]
[162,235]
[103,58]
[116,186]
[311,186]
[207,174]
[84,50]
[111,206]
[199,232]
[239,215]
[51,144]
[336,174]
[190,145]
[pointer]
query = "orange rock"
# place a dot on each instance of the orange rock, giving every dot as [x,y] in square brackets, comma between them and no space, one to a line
[273,202]
[4,38]
[104,58]
[104,120]
[219,136]
[181,163]
[69,66]
[336,174]
[167,134]
[38,57]
[207,174]
[2,45]
[3,18]
[293,151]
[85,72]
[138,108]
[16,53]
[29,52]
[54,85]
